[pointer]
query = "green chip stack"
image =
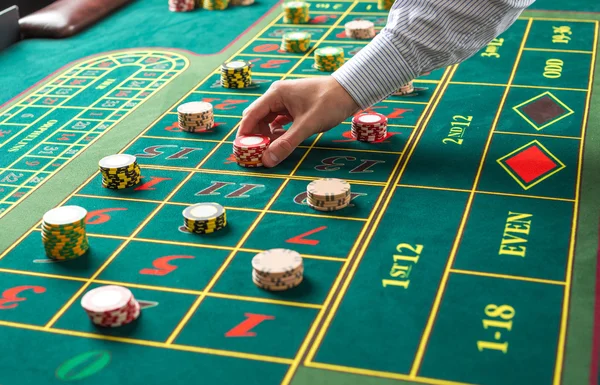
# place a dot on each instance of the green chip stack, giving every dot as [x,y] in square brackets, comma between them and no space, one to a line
[329,59]
[296,12]
[204,218]
[236,74]
[295,42]
[63,233]
[213,5]
[120,171]
[385,4]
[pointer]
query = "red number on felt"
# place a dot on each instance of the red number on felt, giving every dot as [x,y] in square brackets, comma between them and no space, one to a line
[398,112]
[274,63]
[321,19]
[100,216]
[50,100]
[251,321]
[162,266]
[341,35]
[266,48]
[33,163]
[299,239]
[173,127]
[66,137]
[154,180]
[229,104]
[12,295]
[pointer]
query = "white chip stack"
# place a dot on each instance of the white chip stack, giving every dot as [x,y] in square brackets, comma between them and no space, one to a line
[360,29]
[196,116]
[328,194]
[277,269]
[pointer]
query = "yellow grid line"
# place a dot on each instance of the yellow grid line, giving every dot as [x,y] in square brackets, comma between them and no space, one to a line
[442,286]
[165,289]
[346,149]
[382,374]
[255,223]
[120,109]
[536,135]
[133,341]
[258,174]
[507,276]
[438,93]
[232,208]
[520,86]
[557,50]
[584,125]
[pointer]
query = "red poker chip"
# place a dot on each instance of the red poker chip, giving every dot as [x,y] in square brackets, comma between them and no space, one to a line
[249,152]
[256,165]
[250,142]
[369,126]
[367,131]
[106,299]
[369,118]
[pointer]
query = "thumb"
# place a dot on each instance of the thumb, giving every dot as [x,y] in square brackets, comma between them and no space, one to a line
[283,146]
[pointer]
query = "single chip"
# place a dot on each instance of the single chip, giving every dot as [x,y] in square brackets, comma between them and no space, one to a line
[277,261]
[203,211]
[117,161]
[64,215]
[106,299]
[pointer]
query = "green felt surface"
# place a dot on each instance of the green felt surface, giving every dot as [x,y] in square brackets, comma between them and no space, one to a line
[140,24]
[459,243]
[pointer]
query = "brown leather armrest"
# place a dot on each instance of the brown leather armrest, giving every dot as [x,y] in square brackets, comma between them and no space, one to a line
[65,18]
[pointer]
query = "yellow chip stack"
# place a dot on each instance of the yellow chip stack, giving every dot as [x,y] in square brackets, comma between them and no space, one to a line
[213,5]
[120,171]
[63,232]
[329,59]
[296,12]
[236,74]
[204,218]
[295,42]
[385,4]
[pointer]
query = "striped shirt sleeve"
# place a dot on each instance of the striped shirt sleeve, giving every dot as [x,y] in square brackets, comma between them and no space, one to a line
[422,36]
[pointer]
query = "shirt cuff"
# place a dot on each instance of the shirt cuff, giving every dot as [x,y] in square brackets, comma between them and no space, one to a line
[375,72]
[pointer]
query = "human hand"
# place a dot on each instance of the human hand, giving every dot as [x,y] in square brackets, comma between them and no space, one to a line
[314,105]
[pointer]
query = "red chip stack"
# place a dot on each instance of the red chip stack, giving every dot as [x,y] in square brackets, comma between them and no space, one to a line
[248,150]
[369,127]
[111,306]
[182,5]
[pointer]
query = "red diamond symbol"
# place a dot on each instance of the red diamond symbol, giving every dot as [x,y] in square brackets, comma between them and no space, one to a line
[531,164]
